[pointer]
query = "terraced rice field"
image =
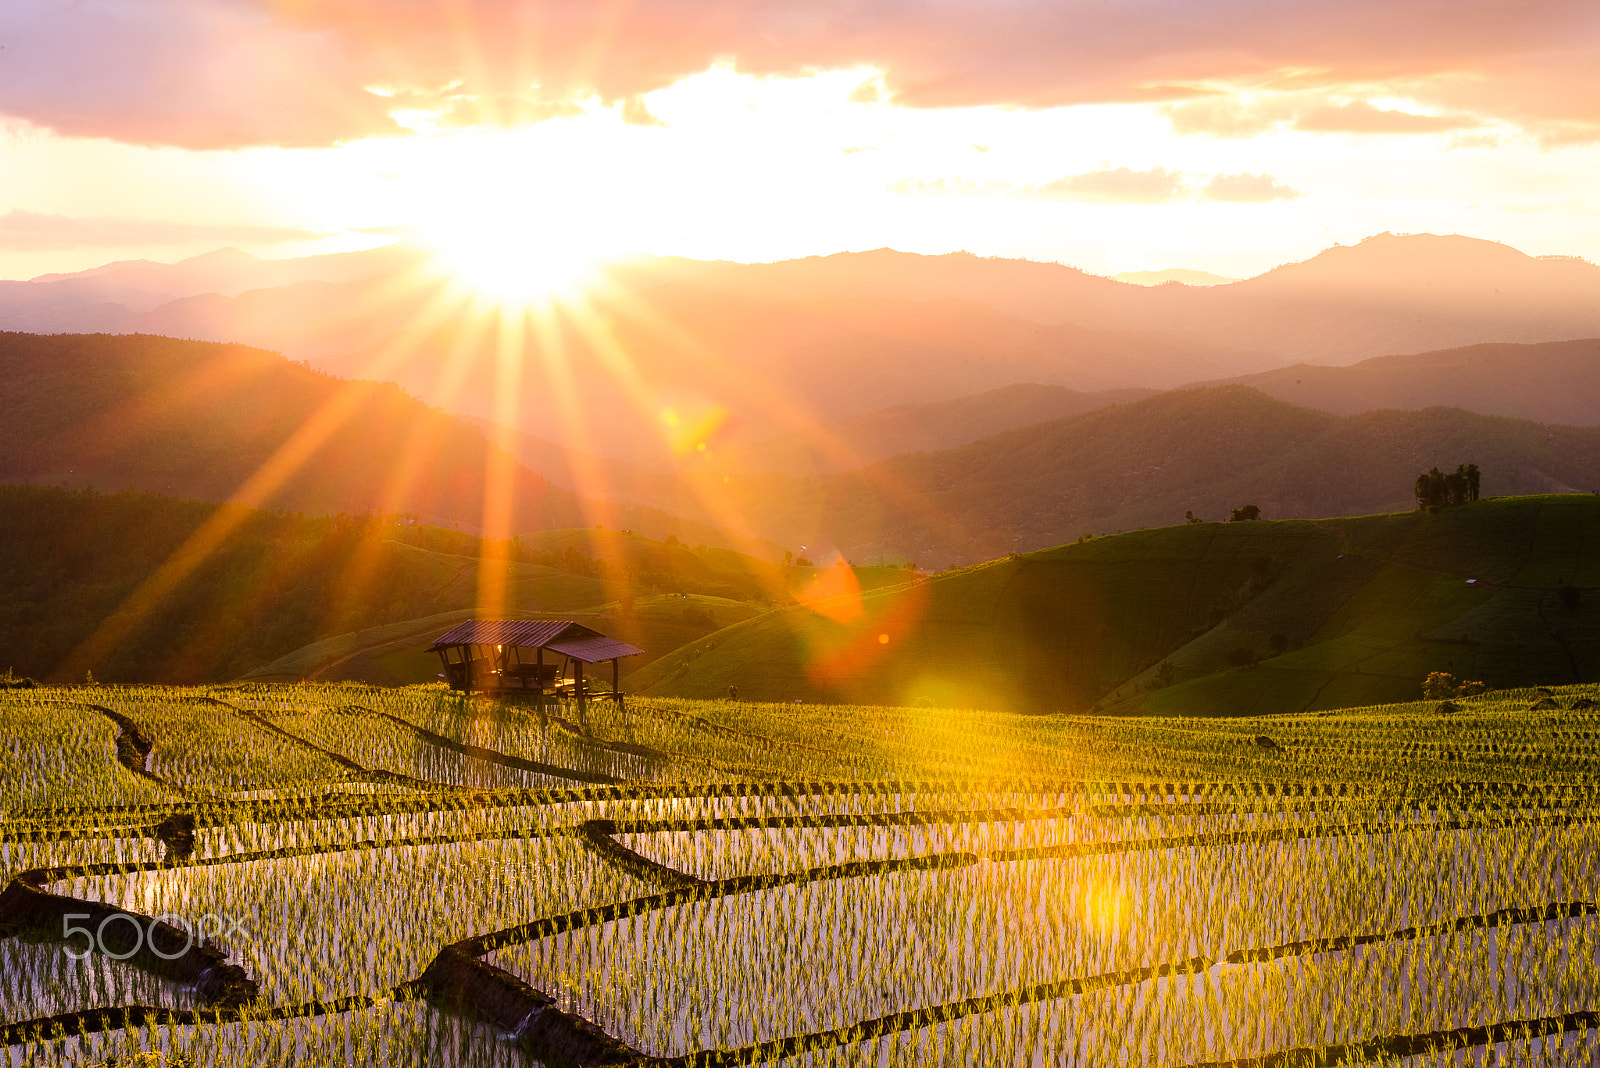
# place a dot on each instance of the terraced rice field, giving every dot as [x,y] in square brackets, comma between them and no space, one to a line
[326,875]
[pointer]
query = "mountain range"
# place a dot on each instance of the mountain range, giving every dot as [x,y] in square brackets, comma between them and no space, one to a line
[1146,464]
[228,422]
[668,354]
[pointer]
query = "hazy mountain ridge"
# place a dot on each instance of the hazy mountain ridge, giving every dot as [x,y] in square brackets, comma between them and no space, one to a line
[1145,464]
[929,427]
[200,419]
[1389,293]
[1553,382]
[767,349]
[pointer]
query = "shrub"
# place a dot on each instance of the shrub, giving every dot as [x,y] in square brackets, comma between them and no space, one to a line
[1439,685]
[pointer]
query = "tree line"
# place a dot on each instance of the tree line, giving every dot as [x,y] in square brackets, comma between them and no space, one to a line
[1436,490]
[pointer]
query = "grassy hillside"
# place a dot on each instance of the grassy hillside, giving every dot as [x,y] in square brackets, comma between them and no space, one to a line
[1213,618]
[84,586]
[1145,464]
[396,654]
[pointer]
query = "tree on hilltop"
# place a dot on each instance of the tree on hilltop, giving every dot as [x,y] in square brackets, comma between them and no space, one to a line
[1436,490]
[1244,514]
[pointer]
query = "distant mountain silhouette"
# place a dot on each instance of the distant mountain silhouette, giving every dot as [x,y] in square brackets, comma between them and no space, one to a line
[752,370]
[114,294]
[200,419]
[673,353]
[911,428]
[1553,382]
[1181,275]
[1390,293]
[836,447]
[1144,464]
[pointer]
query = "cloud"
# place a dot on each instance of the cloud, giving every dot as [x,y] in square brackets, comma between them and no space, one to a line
[1362,117]
[635,112]
[1222,117]
[1247,189]
[1117,186]
[1226,116]
[196,75]
[26,231]
[240,72]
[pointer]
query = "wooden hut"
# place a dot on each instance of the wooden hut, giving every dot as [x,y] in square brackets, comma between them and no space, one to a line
[534,658]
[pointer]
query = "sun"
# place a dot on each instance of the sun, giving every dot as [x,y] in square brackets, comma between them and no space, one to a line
[514,261]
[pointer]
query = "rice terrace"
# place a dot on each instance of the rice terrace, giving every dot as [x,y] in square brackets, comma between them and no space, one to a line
[318,873]
[799,534]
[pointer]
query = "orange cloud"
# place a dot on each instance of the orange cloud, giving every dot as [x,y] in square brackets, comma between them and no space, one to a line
[1118,186]
[1362,117]
[1247,189]
[298,71]
[1224,116]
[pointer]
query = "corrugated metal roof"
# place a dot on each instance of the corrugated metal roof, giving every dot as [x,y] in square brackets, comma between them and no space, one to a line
[528,633]
[559,635]
[592,650]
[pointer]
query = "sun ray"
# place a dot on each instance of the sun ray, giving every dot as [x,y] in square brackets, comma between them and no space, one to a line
[256,490]
[500,464]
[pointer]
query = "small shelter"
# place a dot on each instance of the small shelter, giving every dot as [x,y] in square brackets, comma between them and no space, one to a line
[535,658]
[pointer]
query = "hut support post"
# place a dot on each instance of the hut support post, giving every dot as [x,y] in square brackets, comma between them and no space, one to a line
[577,688]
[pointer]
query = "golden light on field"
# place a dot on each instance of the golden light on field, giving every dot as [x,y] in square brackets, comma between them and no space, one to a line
[1105,906]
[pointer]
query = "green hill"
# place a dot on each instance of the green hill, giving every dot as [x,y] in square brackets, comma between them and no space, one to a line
[396,654]
[115,584]
[1206,619]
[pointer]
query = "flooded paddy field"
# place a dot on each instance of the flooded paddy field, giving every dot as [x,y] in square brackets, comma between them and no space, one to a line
[318,874]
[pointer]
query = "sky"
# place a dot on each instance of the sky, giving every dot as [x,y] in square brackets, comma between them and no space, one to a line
[1113,135]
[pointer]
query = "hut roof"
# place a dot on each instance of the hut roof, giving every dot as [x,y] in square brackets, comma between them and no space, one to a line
[561,636]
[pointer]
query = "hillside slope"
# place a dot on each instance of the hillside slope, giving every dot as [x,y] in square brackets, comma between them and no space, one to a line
[1145,464]
[132,587]
[1331,613]
[74,565]
[201,419]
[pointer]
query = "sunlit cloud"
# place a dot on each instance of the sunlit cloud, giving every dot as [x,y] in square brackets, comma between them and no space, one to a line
[1363,117]
[1247,189]
[287,72]
[1232,117]
[1121,185]
[1118,185]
